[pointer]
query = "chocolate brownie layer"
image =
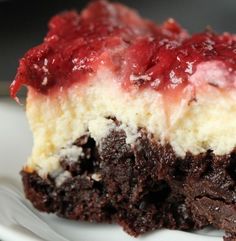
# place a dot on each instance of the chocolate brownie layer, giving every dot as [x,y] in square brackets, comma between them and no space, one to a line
[142,187]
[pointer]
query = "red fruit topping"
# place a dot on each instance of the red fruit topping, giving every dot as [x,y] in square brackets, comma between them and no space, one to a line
[143,54]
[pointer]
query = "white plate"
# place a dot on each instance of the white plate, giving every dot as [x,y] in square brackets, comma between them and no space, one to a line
[15,146]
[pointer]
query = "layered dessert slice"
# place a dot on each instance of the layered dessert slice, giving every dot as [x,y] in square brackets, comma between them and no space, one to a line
[133,122]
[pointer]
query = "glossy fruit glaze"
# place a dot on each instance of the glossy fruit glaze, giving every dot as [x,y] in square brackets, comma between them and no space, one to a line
[141,53]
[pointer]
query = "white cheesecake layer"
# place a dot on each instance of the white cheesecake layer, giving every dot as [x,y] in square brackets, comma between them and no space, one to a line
[189,125]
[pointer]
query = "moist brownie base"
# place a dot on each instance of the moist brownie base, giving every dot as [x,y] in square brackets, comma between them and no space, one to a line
[142,187]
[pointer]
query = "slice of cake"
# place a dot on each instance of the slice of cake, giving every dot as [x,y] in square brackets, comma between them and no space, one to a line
[133,123]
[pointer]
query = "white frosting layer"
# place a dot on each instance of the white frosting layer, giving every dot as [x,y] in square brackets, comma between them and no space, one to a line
[207,122]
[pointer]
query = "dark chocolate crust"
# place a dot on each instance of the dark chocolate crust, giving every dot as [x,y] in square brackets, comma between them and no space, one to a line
[142,187]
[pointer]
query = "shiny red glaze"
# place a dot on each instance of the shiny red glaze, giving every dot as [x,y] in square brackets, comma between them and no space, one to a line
[141,53]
